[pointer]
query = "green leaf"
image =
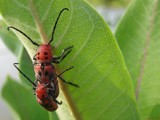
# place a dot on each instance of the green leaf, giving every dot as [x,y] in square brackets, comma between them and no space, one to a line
[10,40]
[23,101]
[138,37]
[106,90]
[26,66]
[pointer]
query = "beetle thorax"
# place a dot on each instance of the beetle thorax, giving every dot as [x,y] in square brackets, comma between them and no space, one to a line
[44,54]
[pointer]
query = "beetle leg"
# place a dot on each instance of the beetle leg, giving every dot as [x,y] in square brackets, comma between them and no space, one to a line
[58,102]
[24,74]
[36,81]
[34,57]
[70,83]
[59,76]
[64,53]
[34,90]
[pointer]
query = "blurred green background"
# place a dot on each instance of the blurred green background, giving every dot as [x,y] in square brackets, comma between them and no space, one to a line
[109,3]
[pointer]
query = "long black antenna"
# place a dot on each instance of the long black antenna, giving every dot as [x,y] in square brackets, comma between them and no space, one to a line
[34,43]
[24,75]
[56,24]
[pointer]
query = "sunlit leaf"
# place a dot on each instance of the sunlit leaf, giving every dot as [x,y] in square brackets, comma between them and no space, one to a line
[138,37]
[106,90]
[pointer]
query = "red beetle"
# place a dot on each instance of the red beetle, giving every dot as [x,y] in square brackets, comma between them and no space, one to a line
[44,98]
[44,56]
[46,93]
[46,84]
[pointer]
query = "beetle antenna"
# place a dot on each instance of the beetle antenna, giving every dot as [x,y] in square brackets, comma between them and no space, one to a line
[56,24]
[34,43]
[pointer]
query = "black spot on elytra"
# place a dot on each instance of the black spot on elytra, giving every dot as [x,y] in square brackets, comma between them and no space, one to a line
[46,58]
[46,73]
[39,73]
[45,53]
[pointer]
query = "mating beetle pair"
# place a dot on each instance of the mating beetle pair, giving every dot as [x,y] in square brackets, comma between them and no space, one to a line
[46,86]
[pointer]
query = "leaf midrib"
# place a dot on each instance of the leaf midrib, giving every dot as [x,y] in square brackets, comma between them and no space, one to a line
[38,22]
[45,40]
[145,50]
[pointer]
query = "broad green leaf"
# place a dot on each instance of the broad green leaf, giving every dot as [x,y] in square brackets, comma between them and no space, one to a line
[106,90]
[22,100]
[138,37]
[10,40]
[26,66]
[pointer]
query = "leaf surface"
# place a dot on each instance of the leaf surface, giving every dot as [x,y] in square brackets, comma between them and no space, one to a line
[106,90]
[138,37]
[11,40]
